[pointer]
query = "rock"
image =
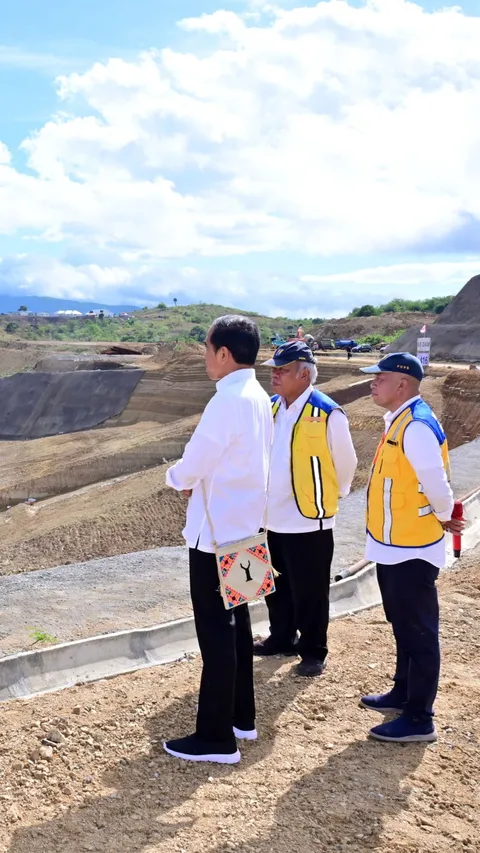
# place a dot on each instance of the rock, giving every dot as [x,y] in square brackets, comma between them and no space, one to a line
[46,753]
[77,710]
[54,736]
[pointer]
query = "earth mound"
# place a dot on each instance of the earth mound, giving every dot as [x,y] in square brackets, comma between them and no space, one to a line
[456,334]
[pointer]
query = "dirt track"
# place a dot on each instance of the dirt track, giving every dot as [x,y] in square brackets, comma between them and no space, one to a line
[312,782]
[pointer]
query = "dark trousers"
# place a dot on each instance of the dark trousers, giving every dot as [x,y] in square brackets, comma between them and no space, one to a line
[302,598]
[226,643]
[410,602]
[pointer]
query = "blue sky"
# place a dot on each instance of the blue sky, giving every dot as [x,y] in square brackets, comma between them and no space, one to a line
[320,184]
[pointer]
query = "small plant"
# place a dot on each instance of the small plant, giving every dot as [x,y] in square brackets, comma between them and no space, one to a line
[39,636]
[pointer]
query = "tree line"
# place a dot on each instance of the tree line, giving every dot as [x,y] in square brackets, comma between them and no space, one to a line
[433,305]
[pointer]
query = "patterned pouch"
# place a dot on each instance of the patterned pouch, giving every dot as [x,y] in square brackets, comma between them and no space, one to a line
[245,570]
[245,567]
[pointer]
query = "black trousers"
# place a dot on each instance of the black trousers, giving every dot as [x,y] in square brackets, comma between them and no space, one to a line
[302,598]
[226,643]
[410,602]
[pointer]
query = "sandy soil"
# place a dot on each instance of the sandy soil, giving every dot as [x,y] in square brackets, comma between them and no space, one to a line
[313,782]
[126,514]
[63,463]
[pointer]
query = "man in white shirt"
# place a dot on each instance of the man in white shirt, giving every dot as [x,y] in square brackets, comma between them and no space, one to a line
[229,453]
[409,507]
[313,463]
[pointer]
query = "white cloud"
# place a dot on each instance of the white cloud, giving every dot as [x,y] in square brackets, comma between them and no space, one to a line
[274,295]
[441,273]
[325,130]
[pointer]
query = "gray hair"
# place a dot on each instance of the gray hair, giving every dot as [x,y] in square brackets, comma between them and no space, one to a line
[312,369]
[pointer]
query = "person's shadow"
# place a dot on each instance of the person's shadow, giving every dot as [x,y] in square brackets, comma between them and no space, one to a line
[134,813]
[342,805]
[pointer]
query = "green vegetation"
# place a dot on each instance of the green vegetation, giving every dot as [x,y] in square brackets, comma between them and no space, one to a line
[434,305]
[39,636]
[183,323]
[149,325]
[374,340]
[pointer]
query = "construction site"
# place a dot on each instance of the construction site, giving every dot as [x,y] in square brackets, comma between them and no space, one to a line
[97,649]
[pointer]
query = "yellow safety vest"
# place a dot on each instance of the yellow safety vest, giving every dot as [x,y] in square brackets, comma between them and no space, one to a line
[398,511]
[314,480]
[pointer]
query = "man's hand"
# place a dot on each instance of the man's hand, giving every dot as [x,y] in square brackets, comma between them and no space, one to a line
[454,525]
[187,493]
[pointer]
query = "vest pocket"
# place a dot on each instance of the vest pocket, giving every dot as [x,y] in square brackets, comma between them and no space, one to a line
[397,500]
[312,430]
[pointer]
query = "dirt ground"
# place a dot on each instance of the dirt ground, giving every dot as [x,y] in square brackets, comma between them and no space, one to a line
[63,463]
[131,513]
[313,781]
[16,360]
[384,324]
[122,514]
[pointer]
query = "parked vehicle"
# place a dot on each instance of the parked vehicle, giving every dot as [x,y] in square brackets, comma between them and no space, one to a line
[326,343]
[362,348]
[345,344]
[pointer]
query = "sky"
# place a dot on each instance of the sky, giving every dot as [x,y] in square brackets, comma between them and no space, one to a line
[292,157]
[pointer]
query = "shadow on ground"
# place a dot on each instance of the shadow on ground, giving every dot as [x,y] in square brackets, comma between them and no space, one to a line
[350,794]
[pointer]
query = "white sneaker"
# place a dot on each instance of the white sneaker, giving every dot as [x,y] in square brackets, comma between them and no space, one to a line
[251,734]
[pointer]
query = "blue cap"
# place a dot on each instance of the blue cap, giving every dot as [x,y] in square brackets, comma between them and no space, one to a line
[398,362]
[290,352]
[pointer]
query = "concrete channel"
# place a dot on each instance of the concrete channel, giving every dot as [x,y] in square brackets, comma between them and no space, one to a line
[58,667]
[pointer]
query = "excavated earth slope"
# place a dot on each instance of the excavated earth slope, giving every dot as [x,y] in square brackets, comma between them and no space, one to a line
[456,334]
[57,464]
[33,405]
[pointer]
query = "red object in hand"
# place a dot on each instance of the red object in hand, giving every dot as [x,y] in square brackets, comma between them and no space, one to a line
[457,538]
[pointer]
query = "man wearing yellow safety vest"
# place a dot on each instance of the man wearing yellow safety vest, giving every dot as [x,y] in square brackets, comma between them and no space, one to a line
[409,508]
[313,463]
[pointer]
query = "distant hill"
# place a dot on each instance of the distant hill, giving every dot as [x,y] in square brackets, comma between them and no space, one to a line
[48,303]
[150,325]
[191,323]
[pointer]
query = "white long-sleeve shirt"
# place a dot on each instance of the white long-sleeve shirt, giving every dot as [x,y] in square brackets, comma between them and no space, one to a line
[283,513]
[424,454]
[230,452]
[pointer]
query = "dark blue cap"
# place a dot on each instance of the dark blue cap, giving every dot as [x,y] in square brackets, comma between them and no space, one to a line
[290,352]
[398,362]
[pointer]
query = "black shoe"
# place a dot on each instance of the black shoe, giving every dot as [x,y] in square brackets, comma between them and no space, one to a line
[310,668]
[193,748]
[265,648]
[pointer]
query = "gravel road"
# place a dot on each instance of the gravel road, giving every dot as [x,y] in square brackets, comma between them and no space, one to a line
[149,587]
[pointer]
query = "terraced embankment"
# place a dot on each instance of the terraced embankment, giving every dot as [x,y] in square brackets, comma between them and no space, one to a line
[34,405]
